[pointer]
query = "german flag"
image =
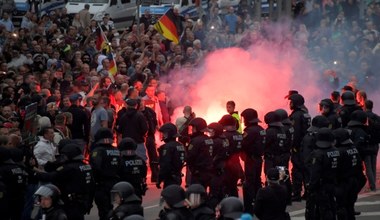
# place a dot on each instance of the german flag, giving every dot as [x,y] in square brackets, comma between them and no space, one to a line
[101,41]
[166,26]
[113,68]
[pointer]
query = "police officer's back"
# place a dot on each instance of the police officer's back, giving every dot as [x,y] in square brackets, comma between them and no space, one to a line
[253,149]
[49,200]
[125,200]
[350,171]
[172,157]
[324,168]
[288,126]
[199,156]
[105,161]
[133,168]
[173,199]
[359,132]
[271,200]
[233,169]
[15,180]
[197,196]
[75,180]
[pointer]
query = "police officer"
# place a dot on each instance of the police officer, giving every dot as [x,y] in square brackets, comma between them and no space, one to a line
[253,148]
[200,153]
[277,152]
[133,168]
[75,179]
[125,201]
[349,106]
[14,178]
[350,170]
[326,108]
[288,126]
[271,200]
[197,196]
[171,157]
[220,151]
[49,200]
[230,208]
[301,121]
[173,198]
[233,169]
[308,142]
[325,159]
[105,162]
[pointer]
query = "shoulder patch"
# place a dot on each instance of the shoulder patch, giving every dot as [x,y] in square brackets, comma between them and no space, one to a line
[163,152]
[94,154]
[313,161]
[263,132]
[226,143]
[190,146]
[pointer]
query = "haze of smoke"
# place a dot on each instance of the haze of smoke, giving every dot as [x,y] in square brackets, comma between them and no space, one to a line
[257,77]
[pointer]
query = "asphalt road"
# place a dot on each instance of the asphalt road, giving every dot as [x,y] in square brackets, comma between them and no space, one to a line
[368,204]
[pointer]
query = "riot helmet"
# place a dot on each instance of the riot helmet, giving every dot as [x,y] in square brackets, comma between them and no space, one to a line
[199,124]
[231,207]
[325,138]
[318,122]
[283,116]
[348,98]
[215,129]
[174,196]
[72,151]
[127,146]
[250,116]
[342,137]
[273,119]
[134,217]
[358,117]
[103,136]
[123,192]
[169,132]
[196,194]
[51,191]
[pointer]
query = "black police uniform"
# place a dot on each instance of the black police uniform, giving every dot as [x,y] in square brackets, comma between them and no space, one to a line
[133,168]
[301,122]
[199,159]
[220,151]
[105,162]
[75,180]
[150,142]
[174,196]
[172,158]
[14,180]
[203,212]
[324,168]
[253,147]
[349,171]
[271,200]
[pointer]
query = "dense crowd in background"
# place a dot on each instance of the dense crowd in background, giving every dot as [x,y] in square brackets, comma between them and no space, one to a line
[83,111]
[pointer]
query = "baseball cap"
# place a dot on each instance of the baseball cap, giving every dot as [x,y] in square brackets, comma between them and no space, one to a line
[75,97]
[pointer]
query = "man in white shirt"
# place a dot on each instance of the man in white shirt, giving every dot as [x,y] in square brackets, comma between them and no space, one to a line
[45,150]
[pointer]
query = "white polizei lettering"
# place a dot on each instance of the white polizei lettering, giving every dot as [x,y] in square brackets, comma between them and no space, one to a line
[113,153]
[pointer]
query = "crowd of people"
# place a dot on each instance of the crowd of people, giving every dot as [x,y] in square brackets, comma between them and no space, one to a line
[96,132]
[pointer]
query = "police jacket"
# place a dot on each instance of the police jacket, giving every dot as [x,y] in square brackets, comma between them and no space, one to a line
[105,163]
[203,213]
[361,138]
[234,142]
[133,170]
[172,158]
[271,203]
[132,124]
[127,209]
[176,214]
[220,153]
[80,128]
[301,122]
[289,131]
[345,113]
[253,141]
[275,141]
[324,167]
[200,154]
[54,213]
[308,145]
[350,163]
[74,179]
[14,178]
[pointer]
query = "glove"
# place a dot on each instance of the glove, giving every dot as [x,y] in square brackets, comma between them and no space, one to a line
[158,185]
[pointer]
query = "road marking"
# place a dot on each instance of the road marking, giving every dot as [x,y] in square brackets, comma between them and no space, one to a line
[151,207]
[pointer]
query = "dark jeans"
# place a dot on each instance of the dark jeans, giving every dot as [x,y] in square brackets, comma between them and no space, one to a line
[370,170]
[150,143]
[252,167]
[298,173]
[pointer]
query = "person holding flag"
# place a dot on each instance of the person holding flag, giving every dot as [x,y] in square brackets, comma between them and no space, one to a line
[170,25]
